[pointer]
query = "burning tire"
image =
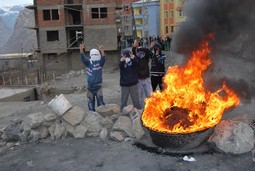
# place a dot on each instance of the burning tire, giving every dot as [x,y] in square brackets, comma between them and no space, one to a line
[179,141]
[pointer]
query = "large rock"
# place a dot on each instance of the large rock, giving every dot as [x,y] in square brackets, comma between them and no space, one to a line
[93,122]
[34,136]
[57,130]
[11,132]
[43,131]
[117,136]
[69,129]
[80,131]
[24,136]
[34,119]
[137,128]
[103,134]
[108,109]
[127,110]
[50,117]
[60,131]
[124,124]
[233,137]
[74,116]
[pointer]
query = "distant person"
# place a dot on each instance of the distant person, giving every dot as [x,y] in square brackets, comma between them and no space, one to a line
[169,40]
[94,66]
[143,71]
[157,66]
[128,79]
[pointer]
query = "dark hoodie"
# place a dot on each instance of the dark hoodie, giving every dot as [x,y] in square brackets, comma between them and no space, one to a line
[143,56]
[128,74]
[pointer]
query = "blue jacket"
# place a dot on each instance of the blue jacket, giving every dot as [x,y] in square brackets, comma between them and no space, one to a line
[128,73]
[93,70]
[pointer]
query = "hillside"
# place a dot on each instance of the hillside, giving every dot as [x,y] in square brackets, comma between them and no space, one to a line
[15,35]
[22,39]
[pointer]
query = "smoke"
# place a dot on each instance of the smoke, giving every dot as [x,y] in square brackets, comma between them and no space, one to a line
[228,19]
[233,25]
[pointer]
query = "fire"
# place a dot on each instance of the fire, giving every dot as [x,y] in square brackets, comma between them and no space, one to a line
[184,106]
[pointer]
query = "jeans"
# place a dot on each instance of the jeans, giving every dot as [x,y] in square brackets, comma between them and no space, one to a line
[133,92]
[156,81]
[95,94]
[144,90]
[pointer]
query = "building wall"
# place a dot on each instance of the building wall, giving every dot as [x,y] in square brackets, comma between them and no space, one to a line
[105,21]
[53,46]
[127,18]
[103,34]
[10,64]
[59,56]
[153,16]
[154,19]
[172,22]
[51,23]
[48,2]
[179,5]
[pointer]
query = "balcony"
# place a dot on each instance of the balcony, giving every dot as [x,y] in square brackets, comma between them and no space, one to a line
[138,16]
[138,27]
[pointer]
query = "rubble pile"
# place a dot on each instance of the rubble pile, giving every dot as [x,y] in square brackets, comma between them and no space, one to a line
[106,122]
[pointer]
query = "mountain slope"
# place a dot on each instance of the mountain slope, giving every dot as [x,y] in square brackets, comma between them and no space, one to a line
[4,32]
[22,39]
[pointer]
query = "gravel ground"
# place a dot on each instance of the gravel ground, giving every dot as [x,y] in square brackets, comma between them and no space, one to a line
[96,154]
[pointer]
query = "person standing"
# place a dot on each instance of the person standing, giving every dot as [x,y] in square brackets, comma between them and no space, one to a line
[94,66]
[157,66]
[128,79]
[143,71]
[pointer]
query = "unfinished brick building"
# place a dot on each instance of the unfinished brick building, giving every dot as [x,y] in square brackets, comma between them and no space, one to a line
[60,24]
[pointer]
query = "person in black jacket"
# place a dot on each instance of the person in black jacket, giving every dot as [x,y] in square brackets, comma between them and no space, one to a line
[128,79]
[157,66]
[143,71]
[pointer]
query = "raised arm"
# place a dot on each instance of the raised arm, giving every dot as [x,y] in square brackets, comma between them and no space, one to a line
[83,57]
[101,49]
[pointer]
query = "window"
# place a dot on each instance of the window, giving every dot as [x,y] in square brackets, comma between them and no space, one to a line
[52,36]
[166,31]
[125,18]
[180,13]
[140,11]
[172,14]
[166,14]
[50,14]
[172,29]
[95,12]
[99,12]
[166,1]
[46,15]
[103,12]
[55,15]
[125,7]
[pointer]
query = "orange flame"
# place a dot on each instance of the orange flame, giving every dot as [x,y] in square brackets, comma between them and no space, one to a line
[184,106]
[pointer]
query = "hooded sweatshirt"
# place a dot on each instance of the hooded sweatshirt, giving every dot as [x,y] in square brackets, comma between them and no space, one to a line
[143,56]
[128,74]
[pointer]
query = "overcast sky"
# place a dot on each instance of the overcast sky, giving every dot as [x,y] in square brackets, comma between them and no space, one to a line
[14,2]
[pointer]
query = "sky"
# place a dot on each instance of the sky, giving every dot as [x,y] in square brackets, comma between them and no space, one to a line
[15,2]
